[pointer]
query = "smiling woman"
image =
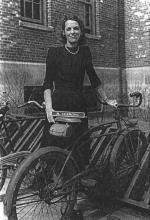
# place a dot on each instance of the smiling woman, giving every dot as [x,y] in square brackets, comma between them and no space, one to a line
[72,32]
[78,28]
[65,71]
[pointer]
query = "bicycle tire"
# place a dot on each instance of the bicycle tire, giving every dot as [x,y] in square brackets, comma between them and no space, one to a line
[3,171]
[125,158]
[34,181]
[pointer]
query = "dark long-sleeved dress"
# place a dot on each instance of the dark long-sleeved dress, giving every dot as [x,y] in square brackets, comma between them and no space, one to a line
[65,74]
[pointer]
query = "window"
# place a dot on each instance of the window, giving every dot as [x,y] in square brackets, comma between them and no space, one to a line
[87,15]
[32,11]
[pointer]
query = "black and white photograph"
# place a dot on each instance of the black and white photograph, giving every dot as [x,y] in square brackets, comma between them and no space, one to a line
[74,109]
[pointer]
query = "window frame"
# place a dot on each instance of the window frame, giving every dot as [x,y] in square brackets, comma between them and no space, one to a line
[42,8]
[92,17]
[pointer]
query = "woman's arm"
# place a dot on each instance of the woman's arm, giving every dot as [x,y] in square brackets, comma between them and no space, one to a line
[101,93]
[50,69]
[102,96]
[48,82]
[48,105]
[95,81]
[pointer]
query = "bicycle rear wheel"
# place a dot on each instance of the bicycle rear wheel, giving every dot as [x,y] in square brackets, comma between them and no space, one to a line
[125,158]
[3,171]
[40,190]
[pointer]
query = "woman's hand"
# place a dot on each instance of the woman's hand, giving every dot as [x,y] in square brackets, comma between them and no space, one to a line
[102,96]
[49,115]
[111,102]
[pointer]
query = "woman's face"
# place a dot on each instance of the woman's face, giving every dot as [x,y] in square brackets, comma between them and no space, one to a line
[72,32]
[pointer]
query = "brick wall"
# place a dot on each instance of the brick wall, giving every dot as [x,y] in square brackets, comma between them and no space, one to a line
[107,50]
[20,43]
[137,51]
[137,33]
[121,34]
[24,46]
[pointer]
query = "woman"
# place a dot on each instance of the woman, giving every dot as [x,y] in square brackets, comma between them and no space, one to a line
[65,70]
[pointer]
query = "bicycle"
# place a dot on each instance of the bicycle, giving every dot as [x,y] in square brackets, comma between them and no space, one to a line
[46,184]
[11,153]
[9,158]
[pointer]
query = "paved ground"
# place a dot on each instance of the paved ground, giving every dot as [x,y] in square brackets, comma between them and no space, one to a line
[99,210]
[96,209]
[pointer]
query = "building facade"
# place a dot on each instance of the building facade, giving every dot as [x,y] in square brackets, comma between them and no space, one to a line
[29,27]
[118,33]
[137,48]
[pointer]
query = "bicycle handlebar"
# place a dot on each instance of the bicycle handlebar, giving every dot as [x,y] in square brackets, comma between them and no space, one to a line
[56,113]
[82,114]
[134,94]
[31,102]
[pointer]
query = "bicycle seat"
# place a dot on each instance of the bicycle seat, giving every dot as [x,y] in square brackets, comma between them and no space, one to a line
[68,120]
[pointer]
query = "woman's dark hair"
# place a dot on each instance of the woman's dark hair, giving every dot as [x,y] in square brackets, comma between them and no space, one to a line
[82,39]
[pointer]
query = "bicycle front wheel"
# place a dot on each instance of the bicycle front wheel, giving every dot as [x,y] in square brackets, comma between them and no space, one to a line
[41,189]
[125,158]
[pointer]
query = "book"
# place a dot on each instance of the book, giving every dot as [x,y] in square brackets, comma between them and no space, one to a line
[69,114]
